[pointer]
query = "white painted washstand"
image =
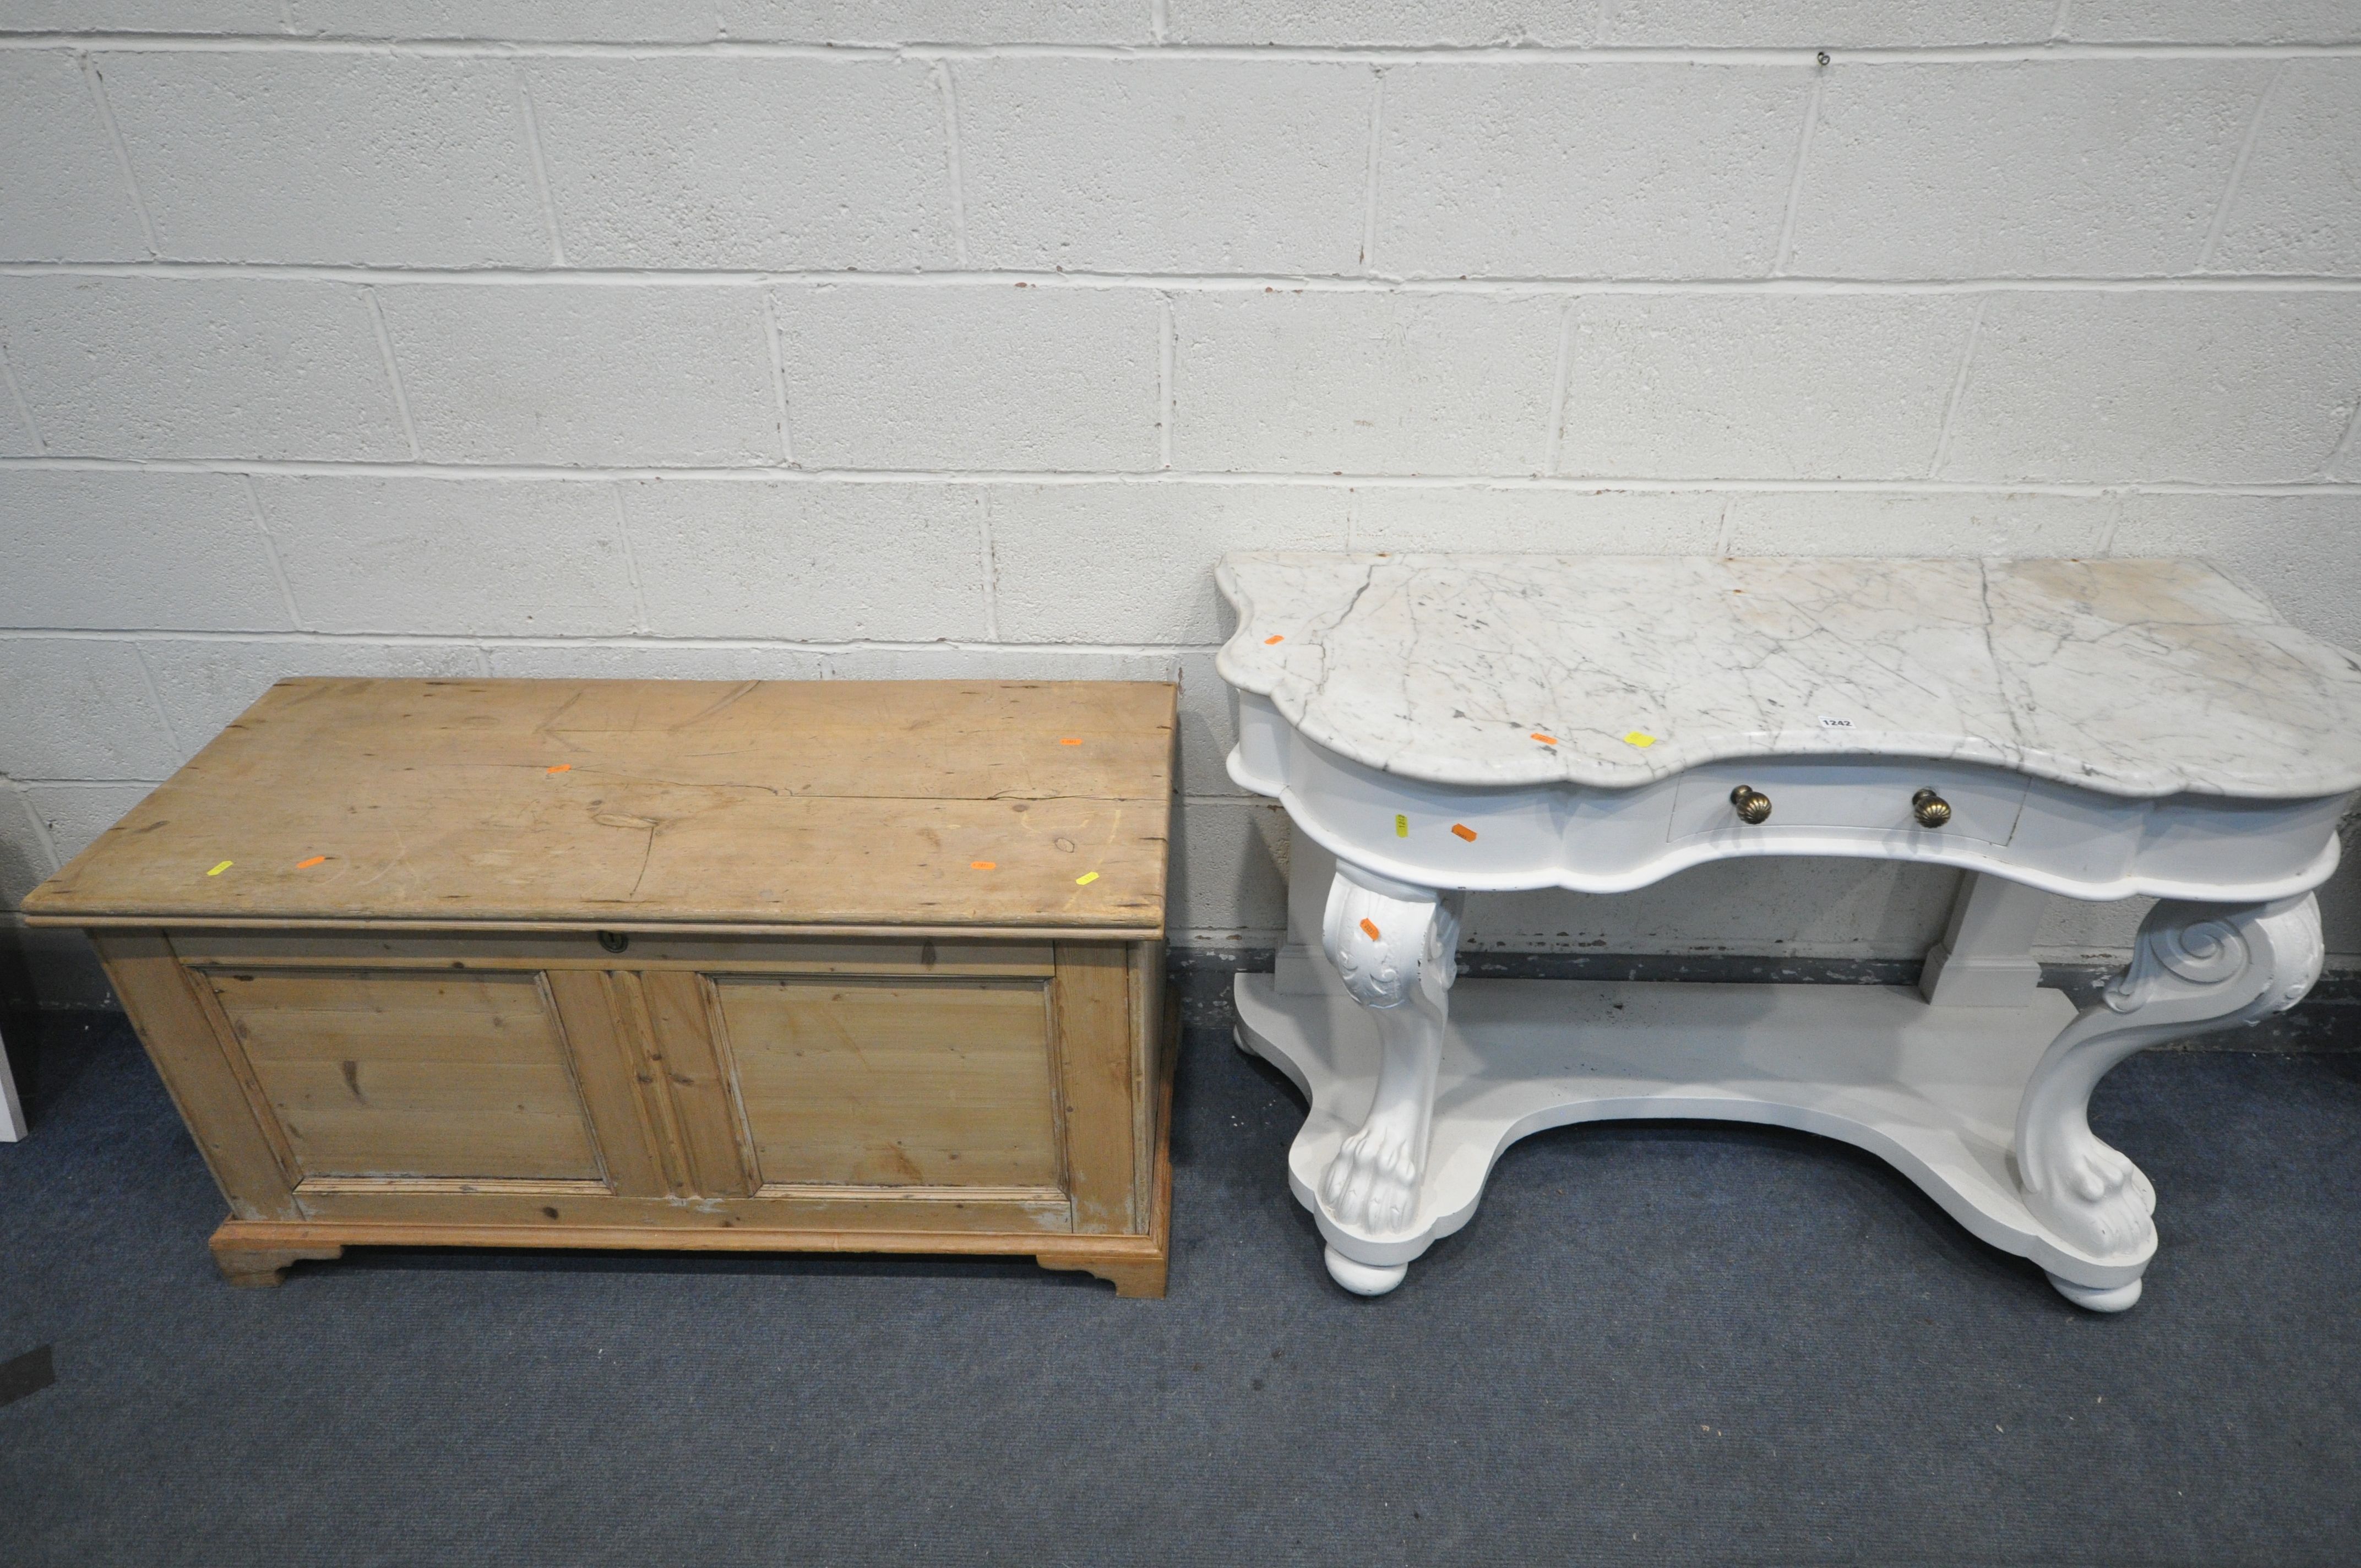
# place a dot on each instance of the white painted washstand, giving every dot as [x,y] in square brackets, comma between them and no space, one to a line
[2099,730]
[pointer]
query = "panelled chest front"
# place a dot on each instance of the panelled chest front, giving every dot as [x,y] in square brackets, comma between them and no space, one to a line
[834,966]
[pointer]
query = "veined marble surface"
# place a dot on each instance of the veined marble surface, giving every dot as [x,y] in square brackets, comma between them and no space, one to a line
[2134,678]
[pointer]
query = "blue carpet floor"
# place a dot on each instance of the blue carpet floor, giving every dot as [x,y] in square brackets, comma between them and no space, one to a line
[1657,1343]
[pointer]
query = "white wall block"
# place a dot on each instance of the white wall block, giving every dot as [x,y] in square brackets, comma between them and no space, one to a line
[1873,522]
[586,374]
[438,556]
[2159,386]
[62,196]
[199,367]
[672,21]
[256,17]
[1538,521]
[938,21]
[2301,553]
[1363,383]
[1382,22]
[25,860]
[110,549]
[2298,205]
[76,814]
[75,707]
[1007,662]
[1760,386]
[625,21]
[651,662]
[1164,166]
[379,159]
[1822,24]
[1791,23]
[970,376]
[2214,21]
[819,562]
[1132,564]
[2108,167]
[1585,170]
[738,162]
[204,683]
[1209,725]
[15,435]
[1229,871]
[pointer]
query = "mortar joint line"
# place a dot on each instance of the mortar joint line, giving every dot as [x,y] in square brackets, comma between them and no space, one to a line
[540,162]
[2058,21]
[771,474]
[1503,287]
[2214,230]
[1368,257]
[97,84]
[1560,375]
[1520,53]
[1723,528]
[392,372]
[954,165]
[270,552]
[17,396]
[1796,182]
[1959,393]
[1168,356]
[778,376]
[1159,20]
[630,561]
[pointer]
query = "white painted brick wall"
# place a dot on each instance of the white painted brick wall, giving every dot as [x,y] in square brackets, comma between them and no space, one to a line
[774,339]
[396,162]
[718,162]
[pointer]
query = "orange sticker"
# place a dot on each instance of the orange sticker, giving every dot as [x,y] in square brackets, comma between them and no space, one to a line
[563,768]
[307,865]
[983,865]
[1371,927]
[1464,832]
[1070,741]
[1544,740]
[1274,637]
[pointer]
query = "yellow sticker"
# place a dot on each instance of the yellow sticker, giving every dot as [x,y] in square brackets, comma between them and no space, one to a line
[1086,879]
[1401,826]
[221,868]
[1641,739]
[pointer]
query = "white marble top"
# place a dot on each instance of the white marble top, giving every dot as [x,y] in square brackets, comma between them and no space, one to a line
[2136,678]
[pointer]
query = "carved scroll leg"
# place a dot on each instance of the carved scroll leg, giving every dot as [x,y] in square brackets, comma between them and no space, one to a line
[1396,946]
[2197,967]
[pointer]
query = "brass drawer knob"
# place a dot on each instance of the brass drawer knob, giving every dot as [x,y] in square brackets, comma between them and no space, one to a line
[1752,804]
[1931,809]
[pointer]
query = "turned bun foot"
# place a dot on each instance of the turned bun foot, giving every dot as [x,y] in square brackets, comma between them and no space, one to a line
[1365,1278]
[2098,1298]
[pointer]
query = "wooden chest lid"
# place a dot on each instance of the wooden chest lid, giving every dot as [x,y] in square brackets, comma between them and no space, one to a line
[639,804]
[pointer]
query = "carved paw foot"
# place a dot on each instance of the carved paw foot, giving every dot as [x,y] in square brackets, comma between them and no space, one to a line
[2100,1201]
[1372,1184]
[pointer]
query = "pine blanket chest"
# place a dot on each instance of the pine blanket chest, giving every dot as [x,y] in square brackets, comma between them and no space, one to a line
[773,965]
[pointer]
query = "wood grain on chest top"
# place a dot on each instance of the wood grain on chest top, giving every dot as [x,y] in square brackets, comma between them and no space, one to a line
[637,802]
